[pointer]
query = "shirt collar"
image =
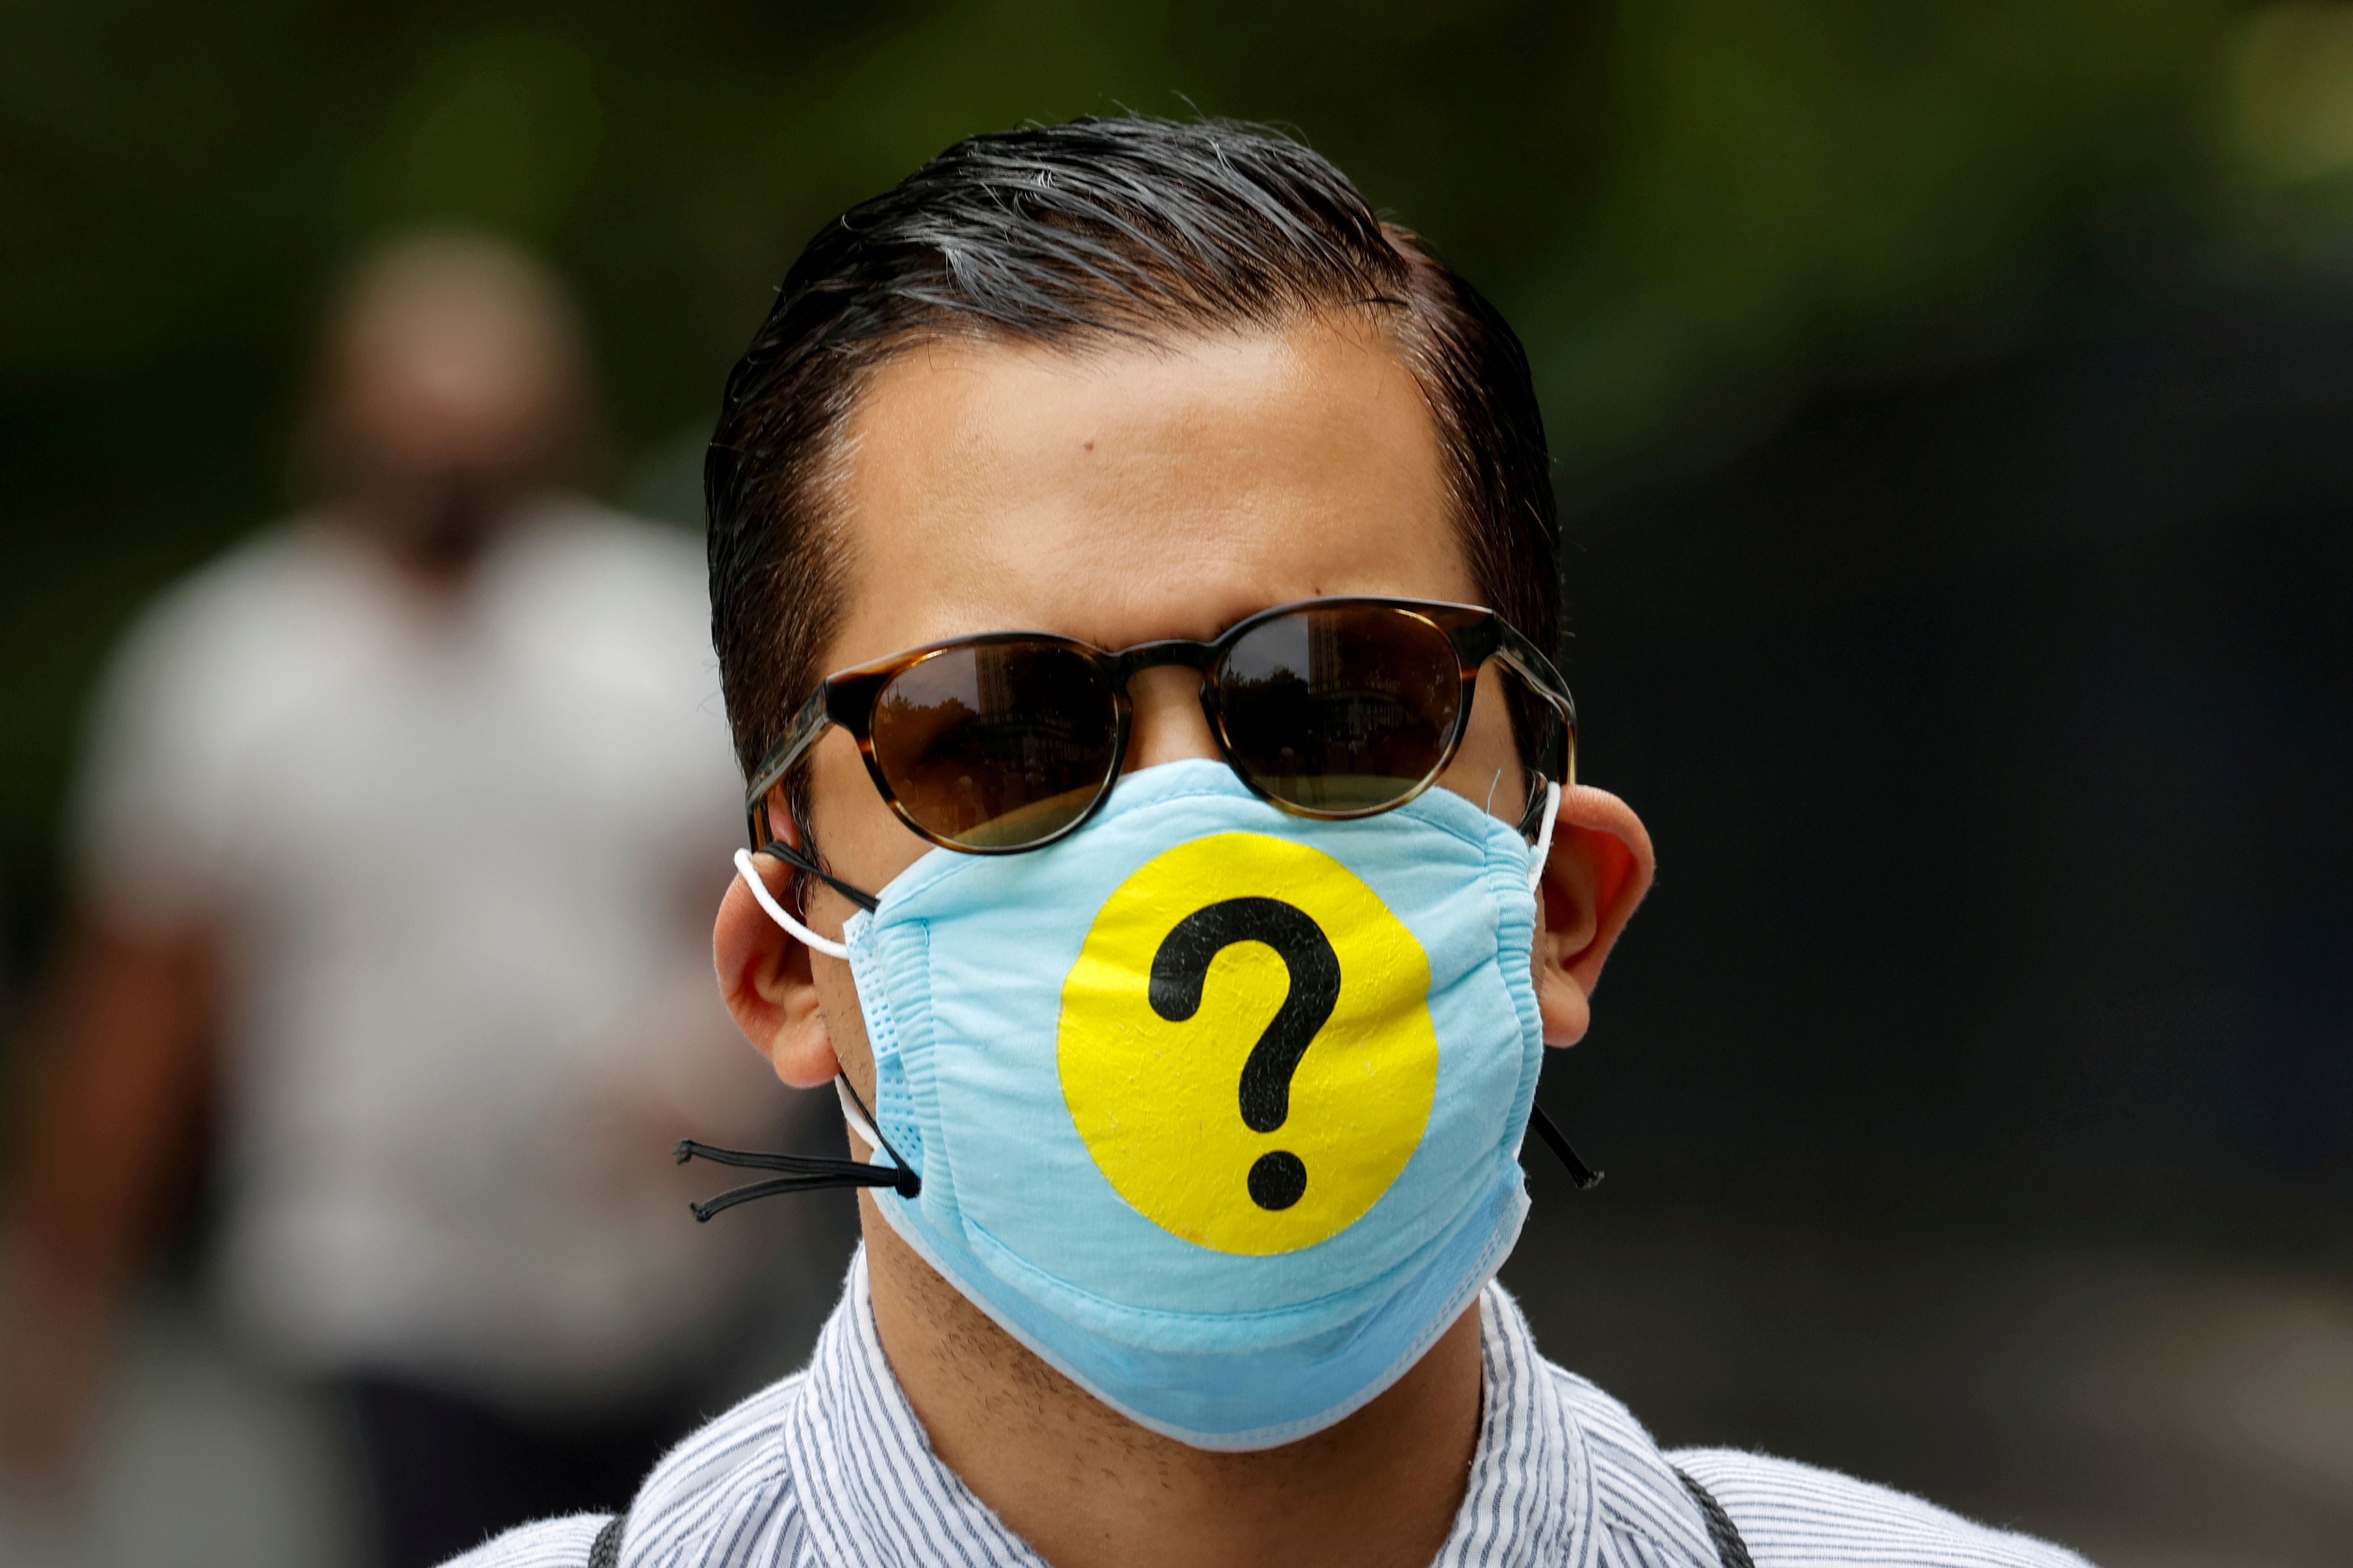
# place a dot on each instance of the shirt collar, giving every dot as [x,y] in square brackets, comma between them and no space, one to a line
[872,1491]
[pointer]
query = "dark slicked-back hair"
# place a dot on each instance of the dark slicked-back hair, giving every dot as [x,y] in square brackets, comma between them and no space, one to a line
[1090,233]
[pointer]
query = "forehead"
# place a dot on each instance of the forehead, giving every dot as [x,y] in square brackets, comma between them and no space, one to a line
[1135,491]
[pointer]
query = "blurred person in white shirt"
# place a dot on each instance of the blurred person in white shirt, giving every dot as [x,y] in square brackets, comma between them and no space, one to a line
[396,835]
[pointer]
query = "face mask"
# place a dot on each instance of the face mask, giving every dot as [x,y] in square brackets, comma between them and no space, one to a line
[1216,1108]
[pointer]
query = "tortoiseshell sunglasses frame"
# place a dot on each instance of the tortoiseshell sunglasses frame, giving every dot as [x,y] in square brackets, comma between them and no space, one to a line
[1476,634]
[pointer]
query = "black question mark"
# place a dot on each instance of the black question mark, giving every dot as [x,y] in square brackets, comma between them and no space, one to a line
[1278,1178]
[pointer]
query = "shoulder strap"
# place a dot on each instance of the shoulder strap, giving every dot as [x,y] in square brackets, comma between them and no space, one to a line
[607,1552]
[1730,1549]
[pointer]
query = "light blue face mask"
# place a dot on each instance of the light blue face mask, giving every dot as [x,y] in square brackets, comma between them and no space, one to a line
[1216,1108]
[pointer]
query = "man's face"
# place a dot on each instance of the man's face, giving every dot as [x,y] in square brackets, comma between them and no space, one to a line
[1122,495]
[447,374]
[449,394]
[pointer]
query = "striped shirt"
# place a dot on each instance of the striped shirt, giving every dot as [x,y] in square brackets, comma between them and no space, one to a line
[831,1467]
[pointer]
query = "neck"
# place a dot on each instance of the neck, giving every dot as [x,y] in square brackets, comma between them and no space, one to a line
[1088,1489]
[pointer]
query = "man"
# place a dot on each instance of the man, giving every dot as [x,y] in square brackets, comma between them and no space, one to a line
[410,805]
[1133,568]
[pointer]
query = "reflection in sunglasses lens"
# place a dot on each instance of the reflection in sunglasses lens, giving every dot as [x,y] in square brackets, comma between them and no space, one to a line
[996,745]
[1346,709]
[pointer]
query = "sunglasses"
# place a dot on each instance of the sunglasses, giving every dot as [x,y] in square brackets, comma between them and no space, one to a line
[1326,708]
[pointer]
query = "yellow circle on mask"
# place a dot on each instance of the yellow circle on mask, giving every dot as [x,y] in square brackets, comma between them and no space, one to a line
[1227,946]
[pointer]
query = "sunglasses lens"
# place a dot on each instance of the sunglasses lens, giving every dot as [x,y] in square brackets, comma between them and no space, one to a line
[996,745]
[1347,709]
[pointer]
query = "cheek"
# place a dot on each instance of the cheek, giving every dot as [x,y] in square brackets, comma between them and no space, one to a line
[1487,769]
[865,844]
[845,1024]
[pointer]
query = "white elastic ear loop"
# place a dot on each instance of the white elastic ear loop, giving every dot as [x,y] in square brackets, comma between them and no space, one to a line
[782,915]
[1544,839]
[855,1117]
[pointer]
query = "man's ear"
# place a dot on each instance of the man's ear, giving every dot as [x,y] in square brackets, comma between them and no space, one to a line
[764,974]
[1599,868]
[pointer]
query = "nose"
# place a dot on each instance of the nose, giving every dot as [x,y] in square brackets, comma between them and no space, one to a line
[1168,725]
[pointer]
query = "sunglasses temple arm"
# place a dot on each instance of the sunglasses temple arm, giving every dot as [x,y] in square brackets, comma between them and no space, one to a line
[1533,667]
[1539,671]
[799,736]
[809,723]
[806,865]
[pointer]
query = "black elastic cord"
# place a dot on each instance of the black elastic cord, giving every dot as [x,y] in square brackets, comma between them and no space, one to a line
[1583,1174]
[807,865]
[807,1172]
[1531,820]
[811,1173]
[818,1173]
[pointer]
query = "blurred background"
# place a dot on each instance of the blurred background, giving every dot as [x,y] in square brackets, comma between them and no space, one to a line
[1952,404]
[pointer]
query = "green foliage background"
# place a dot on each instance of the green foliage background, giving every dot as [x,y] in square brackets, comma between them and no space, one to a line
[1687,207]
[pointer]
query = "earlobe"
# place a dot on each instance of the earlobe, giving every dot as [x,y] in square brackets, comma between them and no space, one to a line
[1599,871]
[765,978]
